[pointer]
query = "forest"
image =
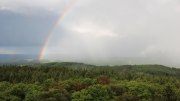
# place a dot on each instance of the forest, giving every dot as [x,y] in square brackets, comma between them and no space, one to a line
[69,81]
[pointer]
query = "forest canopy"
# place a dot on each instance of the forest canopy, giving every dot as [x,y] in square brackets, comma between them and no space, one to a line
[81,82]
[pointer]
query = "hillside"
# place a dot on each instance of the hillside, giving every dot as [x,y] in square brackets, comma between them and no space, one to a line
[70,81]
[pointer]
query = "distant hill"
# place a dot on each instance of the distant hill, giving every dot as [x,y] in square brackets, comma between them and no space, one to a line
[149,69]
[17,59]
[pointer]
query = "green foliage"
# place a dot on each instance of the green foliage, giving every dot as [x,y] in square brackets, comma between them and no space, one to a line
[145,91]
[93,93]
[127,96]
[53,95]
[119,89]
[169,93]
[78,84]
[4,86]
[18,90]
[33,92]
[81,82]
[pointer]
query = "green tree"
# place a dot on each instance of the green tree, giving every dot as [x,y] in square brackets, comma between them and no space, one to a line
[18,90]
[169,93]
[93,93]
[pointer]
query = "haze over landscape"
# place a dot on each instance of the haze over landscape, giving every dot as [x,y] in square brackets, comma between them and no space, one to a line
[92,31]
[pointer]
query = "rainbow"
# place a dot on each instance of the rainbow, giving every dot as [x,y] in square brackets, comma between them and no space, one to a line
[56,22]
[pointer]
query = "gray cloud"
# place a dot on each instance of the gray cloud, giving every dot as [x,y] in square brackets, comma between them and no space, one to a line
[106,31]
[22,6]
[22,33]
[23,30]
[119,29]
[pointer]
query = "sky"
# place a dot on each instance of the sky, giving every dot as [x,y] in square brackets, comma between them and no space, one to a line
[93,31]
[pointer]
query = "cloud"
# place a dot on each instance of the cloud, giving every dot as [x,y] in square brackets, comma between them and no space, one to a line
[36,6]
[28,5]
[95,30]
[9,51]
[105,29]
[22,30]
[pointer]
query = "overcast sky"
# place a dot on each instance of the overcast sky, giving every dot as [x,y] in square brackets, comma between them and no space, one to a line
[106,31]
